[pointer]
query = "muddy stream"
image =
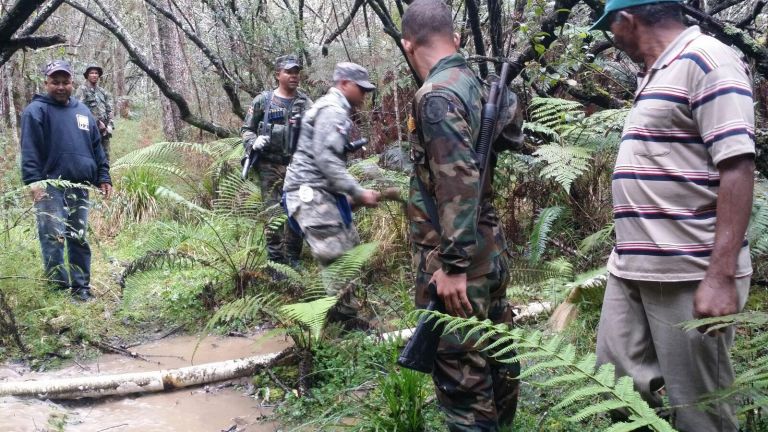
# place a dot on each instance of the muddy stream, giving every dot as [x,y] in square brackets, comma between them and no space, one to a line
[212,408]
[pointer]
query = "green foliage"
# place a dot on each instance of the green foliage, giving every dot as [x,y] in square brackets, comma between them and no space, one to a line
[310,313]
[580,374]
[564,164]
[757,234]
[570,138]
[539,236]
[399,402]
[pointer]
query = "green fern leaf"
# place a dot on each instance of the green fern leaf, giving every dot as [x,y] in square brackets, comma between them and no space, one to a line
[540,233]
[601,407]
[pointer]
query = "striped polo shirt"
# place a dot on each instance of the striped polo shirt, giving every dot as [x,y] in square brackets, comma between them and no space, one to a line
[691,110]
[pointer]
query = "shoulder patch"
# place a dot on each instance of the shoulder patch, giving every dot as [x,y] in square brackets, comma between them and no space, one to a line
[435,108]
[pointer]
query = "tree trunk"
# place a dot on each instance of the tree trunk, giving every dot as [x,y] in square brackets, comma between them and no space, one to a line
[169,125]
[10,106]
[139,382]
[122,107]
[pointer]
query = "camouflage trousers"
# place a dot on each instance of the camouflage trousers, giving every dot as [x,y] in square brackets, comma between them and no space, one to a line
[475,392]
[328,237]
[283,244]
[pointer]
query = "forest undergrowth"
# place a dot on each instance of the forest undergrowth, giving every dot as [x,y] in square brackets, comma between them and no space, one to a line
[181,245]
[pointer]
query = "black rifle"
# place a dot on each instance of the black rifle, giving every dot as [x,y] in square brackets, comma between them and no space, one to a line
[420,351]
[252,156]
[355,145]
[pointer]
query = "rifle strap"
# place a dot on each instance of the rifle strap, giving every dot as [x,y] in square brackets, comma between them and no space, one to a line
[429,206]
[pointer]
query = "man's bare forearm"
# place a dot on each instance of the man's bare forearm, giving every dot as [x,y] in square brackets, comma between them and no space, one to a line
[734,206]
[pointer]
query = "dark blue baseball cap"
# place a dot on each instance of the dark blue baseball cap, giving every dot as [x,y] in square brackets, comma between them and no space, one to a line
[58,66]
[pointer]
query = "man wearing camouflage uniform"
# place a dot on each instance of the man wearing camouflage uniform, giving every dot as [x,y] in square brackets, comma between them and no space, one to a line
[99,101]
[462,251]
[318,186]
[275,144]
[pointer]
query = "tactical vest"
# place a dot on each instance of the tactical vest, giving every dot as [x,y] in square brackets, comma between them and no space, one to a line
[281,133]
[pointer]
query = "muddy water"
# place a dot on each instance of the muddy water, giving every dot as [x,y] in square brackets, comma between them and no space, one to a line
[216,407]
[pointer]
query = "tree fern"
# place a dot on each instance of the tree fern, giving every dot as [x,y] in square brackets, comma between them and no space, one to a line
[590,390]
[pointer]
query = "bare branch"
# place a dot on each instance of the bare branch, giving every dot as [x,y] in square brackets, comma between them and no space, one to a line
[112,24]
[750,18]
[229,83]
[343,26]
[32,27]
[33,42]
[16,16]
[734,36]
[389,28]
[559,15]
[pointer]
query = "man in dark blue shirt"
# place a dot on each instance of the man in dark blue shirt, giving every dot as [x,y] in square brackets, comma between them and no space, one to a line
[60,140]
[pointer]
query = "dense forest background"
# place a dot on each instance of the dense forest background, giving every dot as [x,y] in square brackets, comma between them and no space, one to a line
[181,243]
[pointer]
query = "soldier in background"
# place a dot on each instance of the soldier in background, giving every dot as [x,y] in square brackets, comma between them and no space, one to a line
[454,228]
[274,143]
[317,185]
[99,101]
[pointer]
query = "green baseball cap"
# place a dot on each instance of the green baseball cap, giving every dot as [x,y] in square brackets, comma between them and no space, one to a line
[616,5]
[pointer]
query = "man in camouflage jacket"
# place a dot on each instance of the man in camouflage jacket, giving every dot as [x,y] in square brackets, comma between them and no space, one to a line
[99,101]
[275,145]
[317,185]
[461,252]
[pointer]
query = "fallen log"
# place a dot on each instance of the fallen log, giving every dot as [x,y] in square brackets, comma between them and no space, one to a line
[141,382]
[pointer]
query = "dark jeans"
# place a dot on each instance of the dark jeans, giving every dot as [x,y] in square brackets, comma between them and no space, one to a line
[62,219]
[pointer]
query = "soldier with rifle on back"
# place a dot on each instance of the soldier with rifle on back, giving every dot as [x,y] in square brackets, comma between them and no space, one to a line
[458,246]
[269,138]
[99,101]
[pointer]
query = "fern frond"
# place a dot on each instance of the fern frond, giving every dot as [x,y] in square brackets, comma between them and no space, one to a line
[580,375]
[540,233]
[311,314]
[597,239]
[563,163]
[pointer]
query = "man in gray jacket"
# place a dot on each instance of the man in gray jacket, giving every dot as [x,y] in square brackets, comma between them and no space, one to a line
[317,184]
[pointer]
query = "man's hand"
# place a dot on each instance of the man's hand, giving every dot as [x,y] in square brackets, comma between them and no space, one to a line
[369,198]
[260,142]
[106,190]
[716,296]
[452,289]
[37,192]
[102,126]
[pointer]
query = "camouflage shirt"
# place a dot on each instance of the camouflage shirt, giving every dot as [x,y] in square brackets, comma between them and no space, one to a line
[98,100]
[320,160]
[447,112]
[281,111]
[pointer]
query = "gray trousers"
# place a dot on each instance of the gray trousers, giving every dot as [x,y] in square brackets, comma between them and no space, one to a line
[639,334]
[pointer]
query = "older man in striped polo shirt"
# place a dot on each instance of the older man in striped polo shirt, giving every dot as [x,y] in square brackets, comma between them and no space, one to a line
[682,193]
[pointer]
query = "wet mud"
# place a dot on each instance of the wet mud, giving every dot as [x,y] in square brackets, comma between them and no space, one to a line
[211,408]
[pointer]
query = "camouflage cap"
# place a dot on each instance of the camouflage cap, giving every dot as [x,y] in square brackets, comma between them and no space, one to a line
[57,66]
[353,72]
[93,66]
[285,62]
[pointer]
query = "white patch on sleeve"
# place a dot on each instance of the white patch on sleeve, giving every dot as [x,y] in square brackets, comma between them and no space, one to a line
[82,122]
